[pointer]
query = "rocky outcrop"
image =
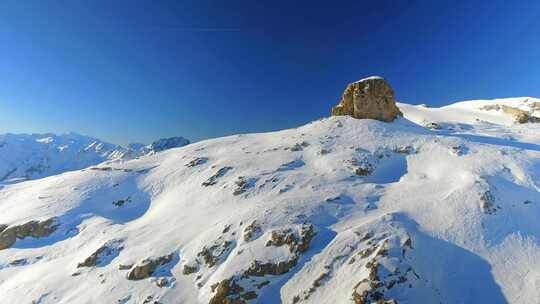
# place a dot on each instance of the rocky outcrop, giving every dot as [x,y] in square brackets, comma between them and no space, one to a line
[36,229]
[370,98]
[242,287]
[214,254]
[229,292]
[252,231]
[103,254]
[520,116]
[212,180]
[148,266]
[297,241]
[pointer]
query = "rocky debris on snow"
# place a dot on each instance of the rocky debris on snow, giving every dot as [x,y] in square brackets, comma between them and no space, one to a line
[535,105]
[125,266]
[242,184]
[366,163]
[104,253]
[362,167]
[295,164]
[216,253]
[487,203]
[252,231]
[298,146]
[491,107]
[323,151]
[363,170]
[387,267]
[151,300]
[226,229]
[187,270]
[35,229]
[163,282]
[297,241]
[148,266]
[108,168]
[121,202]
[520,116]
[332,199]
[214,178]
[240,288]
[459,150]
[18,262]
[379,257]
[197,161]
[229,291]
[526,117]
[104,168]
[22,261]
[259,269]
[406,150]
[371,98]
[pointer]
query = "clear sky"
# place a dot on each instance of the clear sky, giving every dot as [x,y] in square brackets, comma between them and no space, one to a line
[128,71]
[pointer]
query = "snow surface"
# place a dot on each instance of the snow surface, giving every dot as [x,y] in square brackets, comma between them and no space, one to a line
[452,212]
[31,156]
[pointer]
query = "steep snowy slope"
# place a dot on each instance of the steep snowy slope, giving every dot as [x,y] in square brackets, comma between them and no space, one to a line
[337,211]
[31,156]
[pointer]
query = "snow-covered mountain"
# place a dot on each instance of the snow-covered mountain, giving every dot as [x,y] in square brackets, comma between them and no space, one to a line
[30,156]
[340,210]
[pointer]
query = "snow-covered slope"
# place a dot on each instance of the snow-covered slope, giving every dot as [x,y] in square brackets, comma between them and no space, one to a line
[337,211]
[31,156]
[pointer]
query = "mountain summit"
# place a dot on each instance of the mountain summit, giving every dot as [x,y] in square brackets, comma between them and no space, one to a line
[370,97]
[439,206]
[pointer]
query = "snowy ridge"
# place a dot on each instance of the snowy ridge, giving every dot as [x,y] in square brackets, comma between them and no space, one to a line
[31,156]
[337,211]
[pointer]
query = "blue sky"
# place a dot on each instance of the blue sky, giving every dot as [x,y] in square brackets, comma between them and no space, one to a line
[130,71]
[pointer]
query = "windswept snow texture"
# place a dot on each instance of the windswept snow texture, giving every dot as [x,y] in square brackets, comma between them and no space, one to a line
[32,156]
[337,211]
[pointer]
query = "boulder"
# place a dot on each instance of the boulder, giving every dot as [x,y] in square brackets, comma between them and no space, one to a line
[370,98]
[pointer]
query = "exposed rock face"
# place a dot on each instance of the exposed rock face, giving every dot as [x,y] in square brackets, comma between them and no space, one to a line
[147,267]
[520,116]
[35,229]
[103,254]
[240,288]
[369,98]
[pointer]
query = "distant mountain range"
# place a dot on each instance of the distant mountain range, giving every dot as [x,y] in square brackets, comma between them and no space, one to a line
[31,156]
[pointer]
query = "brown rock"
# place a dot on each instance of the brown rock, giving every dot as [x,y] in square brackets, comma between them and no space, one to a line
[369,98]
[125,267]
[227,292]
[148,266]
[34,229]
[258,269]
[189,269]
[109,248]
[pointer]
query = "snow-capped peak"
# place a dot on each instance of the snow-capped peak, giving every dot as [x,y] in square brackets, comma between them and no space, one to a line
[31,156]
